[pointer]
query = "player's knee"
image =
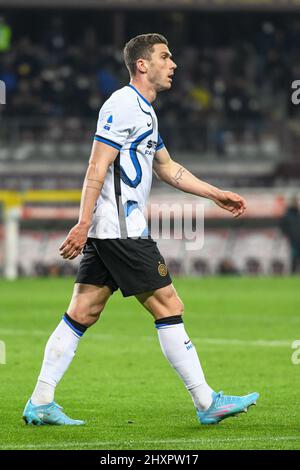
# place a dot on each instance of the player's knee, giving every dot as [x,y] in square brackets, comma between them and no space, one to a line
[174,302]
[88,315]
[95,311]
[174,305]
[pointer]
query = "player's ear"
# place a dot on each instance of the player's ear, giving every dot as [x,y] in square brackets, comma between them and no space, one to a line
[141,65]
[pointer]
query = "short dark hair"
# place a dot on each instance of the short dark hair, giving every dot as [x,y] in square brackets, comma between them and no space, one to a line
[141,47]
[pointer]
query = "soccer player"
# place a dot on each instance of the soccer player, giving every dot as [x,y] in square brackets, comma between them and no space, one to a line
[117,250]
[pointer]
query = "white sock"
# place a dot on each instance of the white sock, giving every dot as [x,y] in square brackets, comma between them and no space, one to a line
[202,396]
[59,352]
[182,355]
[43,393]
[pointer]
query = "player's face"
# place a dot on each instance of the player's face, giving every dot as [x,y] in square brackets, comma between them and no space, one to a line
[161,68]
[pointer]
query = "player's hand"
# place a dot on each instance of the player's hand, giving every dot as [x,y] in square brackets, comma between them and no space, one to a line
[231,202]
[75,241]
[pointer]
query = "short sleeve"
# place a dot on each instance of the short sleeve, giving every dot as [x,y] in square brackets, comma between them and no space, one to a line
[160,143]
[112,125]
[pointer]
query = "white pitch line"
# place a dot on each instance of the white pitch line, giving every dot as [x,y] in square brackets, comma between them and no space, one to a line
[213,341]
[200,441]
[240,342]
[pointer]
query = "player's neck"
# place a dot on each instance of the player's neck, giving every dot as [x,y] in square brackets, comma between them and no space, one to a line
[145,89]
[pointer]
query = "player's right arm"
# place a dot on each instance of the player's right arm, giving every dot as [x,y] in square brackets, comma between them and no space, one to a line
[102,156]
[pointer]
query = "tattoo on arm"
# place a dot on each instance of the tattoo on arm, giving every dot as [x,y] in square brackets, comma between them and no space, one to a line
[92,183]
[91,187]
[178,177]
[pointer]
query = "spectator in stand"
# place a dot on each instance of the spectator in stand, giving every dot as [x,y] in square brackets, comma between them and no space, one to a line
[227,268]
[290,225]
[225,94]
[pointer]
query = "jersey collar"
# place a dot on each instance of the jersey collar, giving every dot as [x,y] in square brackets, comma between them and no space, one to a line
[141,96]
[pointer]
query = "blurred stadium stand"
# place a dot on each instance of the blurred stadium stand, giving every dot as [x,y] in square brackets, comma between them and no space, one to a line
[228,118]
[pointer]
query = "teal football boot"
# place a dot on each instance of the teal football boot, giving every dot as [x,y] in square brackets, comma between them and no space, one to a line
[224,406]
[48,414]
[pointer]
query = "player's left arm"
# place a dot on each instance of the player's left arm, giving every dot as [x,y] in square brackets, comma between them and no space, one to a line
[176,175]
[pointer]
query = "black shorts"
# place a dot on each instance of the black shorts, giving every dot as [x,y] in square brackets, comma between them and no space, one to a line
[134,265]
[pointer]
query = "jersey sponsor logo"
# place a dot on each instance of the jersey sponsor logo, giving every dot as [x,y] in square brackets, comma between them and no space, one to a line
[162,269]
[108,123]
[151,144]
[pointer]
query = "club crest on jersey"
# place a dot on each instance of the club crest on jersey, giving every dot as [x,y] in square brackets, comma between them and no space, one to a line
[108,123]
[162,269]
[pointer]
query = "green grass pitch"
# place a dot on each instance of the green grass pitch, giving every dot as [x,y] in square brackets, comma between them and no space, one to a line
[121,384]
